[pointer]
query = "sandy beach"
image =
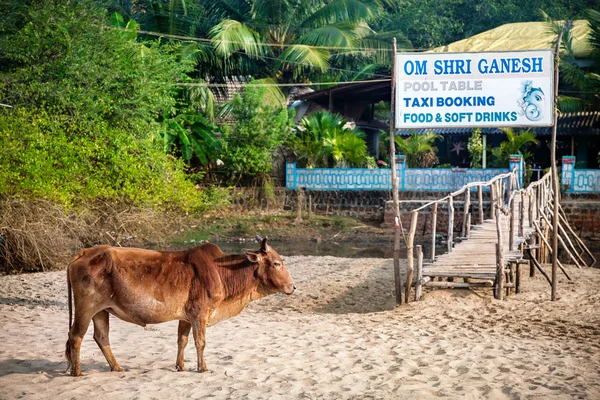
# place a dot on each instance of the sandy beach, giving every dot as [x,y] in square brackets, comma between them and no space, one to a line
[338,337]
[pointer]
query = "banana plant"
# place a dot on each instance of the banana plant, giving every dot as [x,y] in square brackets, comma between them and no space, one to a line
[191,134]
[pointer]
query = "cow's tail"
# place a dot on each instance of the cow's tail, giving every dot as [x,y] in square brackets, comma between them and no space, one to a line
[70,301]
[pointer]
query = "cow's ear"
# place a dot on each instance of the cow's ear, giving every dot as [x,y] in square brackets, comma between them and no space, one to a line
[253,257]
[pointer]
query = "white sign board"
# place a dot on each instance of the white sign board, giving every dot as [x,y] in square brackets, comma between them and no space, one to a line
[496,89]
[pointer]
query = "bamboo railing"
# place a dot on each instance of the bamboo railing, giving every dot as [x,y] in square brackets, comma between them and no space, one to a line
[504,192]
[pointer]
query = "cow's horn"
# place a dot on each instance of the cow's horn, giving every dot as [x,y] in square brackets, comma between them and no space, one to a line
[259,239]
[264,246]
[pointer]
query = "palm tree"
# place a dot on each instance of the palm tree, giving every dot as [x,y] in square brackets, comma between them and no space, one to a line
[418,149]
[585,82]
[302,36]
[515,143]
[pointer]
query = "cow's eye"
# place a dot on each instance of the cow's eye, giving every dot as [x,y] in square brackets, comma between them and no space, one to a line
[277,264]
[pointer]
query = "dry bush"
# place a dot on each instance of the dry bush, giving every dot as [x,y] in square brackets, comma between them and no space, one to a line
[37,235]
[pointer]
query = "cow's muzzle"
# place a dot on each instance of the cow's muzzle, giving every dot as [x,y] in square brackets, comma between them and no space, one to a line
[289,289]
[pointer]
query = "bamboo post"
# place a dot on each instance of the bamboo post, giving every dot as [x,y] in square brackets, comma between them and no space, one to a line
[310,205]
[450,223]
[493,200]
[418,286]
[410,254]
[562,242]
[555,187]
[522,215]
[499,257]
[540,268]
[518,279]
[510,277]
[577,238]
[468,225]
[467,206]
[300,196]
[531,206]
[433,231]
[480,201]
[499,273]
[532,254]
[397,279]
[511,229]
[551,250]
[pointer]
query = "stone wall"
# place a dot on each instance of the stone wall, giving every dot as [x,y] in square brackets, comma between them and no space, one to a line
[583,213]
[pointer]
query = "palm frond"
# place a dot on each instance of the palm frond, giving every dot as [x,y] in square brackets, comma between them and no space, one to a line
[341,11]
[336,35]
[300,56]
[229,36]
[569,104]
[273,95]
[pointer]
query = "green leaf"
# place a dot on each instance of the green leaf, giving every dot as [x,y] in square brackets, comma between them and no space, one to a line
[302,56]
[230,36]
[116,20]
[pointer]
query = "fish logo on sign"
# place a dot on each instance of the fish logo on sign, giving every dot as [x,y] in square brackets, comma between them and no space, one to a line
[532,102]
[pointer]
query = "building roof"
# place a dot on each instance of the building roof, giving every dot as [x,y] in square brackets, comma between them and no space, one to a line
[521,36]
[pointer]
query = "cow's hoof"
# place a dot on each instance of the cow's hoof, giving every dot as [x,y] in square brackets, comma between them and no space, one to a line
[180,368]
[76,373]
[203,369]
[117,369]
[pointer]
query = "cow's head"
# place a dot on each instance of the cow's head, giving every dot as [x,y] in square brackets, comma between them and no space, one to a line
[271,272]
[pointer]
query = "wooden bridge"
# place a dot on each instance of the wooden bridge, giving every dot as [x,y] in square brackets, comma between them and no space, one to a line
[512,230]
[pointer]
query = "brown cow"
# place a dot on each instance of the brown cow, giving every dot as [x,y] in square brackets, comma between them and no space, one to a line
[199,287]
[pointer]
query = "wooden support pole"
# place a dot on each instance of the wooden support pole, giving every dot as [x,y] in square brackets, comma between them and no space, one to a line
[511,224]
[531,207]
[395,197]
[582,245]
[410,254]
[555,187]
[493,200]
[518,279]
[468,225]
[522,214]
[499,273]
[480,201]
[300,196]
[532,254]
[551,250]
[310,205]
[540,268]
[433,231]
[466,211]
[418,287]
[562,242]
[450,238]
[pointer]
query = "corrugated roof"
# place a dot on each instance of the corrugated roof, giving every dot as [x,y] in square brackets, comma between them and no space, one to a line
[521,36]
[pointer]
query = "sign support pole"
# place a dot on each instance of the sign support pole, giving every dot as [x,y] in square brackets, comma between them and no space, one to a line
[555,187]
[396,201]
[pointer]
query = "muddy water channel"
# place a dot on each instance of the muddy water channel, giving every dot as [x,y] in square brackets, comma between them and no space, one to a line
[346,249]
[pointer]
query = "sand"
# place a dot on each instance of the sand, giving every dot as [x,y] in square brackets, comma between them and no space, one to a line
[338,337]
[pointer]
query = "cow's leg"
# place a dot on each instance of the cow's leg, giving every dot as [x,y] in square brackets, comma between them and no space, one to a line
[101,328]
[199,331]
[183,331]
[80,326]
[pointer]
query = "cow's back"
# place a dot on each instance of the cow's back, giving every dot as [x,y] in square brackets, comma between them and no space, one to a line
[137,285]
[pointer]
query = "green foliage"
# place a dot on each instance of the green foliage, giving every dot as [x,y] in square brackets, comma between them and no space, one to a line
[585,81]
[324,140]
[45,156]
[86,99]
[418,149]
[257,130]
[191,134]
[515,143]
[475,147]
